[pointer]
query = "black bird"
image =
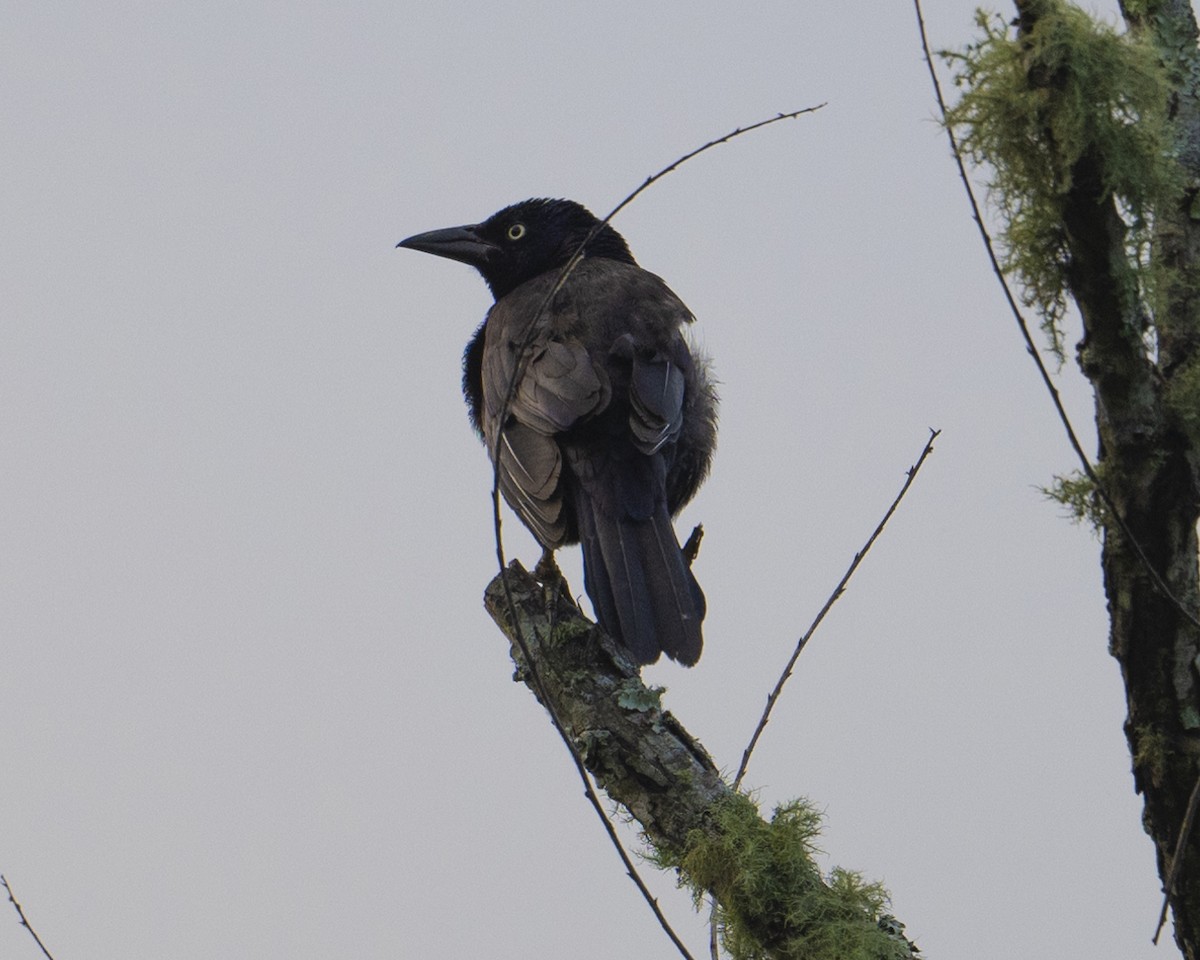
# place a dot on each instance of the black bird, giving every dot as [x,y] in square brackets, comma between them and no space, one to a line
[612,424]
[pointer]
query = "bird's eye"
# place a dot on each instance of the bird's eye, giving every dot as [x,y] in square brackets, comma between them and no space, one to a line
[516,231]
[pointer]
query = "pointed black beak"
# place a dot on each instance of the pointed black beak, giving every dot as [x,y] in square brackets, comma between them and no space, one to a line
[456,243]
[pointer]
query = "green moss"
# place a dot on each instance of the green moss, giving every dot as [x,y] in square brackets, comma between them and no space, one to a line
[1152,753]
[772,898]
[1076,492]
[1183,397]
[1032,106]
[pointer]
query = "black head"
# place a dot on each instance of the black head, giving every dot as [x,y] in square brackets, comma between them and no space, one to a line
[522,242]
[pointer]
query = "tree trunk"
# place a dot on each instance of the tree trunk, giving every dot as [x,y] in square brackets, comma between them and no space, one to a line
[1148,452]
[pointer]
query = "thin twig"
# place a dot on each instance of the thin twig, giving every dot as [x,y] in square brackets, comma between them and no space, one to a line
[1031,347]
[1185,832]
[529,332]
[833,597]
[522,359]
[24,920]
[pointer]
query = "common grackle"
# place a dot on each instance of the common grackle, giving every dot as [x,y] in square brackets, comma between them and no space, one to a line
[612,425]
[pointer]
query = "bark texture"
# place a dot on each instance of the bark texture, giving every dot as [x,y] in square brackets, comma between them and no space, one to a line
[1148,450]
[638,752]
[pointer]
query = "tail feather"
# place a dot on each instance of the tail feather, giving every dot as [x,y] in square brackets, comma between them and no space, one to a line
[679,608]
[641,589]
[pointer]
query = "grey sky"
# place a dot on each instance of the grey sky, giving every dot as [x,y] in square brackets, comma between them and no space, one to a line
[250,705]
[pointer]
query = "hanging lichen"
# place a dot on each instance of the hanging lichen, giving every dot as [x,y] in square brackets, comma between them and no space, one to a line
[1036,102]
[1076,493]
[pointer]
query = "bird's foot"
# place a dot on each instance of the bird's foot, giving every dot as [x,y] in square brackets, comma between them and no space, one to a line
[546,571]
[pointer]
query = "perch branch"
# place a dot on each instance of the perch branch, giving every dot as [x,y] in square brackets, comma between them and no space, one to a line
[637,752]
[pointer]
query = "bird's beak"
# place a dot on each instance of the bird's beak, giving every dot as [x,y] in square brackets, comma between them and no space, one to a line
[456,243]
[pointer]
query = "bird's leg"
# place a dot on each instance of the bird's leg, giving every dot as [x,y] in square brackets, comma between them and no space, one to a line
[547,570]
[553,582]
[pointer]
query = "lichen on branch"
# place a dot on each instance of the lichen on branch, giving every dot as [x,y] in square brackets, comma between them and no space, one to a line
[772,899]
[774,902]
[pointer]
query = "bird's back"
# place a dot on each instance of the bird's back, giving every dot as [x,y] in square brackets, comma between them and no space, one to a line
[609,432]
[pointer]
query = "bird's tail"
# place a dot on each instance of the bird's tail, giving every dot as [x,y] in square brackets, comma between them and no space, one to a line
[641,588]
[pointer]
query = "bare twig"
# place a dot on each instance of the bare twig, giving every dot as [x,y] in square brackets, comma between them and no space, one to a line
[1185,832]
[1031,347]
[833,597]
[528,334]
[24,920]
[526,339]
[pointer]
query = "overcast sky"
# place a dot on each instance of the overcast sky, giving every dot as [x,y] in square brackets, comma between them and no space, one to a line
[250,703]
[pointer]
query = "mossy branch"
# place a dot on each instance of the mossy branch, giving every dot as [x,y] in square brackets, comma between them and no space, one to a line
[773,901]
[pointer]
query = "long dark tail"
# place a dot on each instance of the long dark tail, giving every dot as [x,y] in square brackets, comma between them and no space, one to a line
[641,588]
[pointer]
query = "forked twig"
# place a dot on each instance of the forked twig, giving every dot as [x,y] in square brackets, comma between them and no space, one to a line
[522,360]
[21,913]
[773,697]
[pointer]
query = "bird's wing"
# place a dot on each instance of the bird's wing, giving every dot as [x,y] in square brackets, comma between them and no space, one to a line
[656,392]
[530,471]
[557,385]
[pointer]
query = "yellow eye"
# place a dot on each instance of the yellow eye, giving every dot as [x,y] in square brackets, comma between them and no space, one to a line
[516,231]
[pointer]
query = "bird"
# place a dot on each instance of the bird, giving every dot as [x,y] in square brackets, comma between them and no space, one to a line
[610,426]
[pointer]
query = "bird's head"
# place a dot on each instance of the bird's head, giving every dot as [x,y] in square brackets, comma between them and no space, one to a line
[522,242]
